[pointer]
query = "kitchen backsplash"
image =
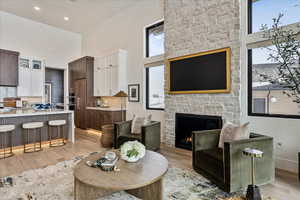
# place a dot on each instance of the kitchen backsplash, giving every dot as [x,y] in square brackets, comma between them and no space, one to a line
[113,102]
[32,100]
[7,92]
[12,92]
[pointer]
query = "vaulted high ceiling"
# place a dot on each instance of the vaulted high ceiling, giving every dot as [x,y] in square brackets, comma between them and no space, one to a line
[82,14]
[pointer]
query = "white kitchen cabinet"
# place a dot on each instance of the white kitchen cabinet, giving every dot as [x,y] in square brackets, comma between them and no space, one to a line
[31,78]
[110,73]
[99,76]
[107,80]
[24,85]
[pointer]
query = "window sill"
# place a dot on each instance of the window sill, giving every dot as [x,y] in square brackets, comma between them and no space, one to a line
[155,109]
[258,37]
[274,116]
[154,59]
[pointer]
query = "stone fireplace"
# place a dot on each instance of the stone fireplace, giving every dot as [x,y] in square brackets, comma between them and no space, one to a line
[199,26]
[187,123]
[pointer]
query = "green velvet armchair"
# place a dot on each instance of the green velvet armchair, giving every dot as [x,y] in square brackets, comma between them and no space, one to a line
[228,168]
[150,135]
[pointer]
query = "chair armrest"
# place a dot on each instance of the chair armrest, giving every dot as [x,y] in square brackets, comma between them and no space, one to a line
[121,128]
[238,166]
[151,136]
[207,139]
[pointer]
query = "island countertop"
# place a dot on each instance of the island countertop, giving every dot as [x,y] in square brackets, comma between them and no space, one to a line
[18,117]
[32,112]
[105,109]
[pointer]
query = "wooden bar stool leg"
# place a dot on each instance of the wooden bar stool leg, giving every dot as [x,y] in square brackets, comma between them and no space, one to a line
[27,137]
[23,140]
[4,147]
[51,131]
[35,140]
[57,135]
[1,147]
[63,133]
[40,138]
[49,136]
[3,144]
[11,143]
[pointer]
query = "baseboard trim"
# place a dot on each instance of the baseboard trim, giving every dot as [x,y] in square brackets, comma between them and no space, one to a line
[287,165]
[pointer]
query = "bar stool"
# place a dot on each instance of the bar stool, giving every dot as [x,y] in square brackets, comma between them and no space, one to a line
[36,129]
[6,132]
[58,139]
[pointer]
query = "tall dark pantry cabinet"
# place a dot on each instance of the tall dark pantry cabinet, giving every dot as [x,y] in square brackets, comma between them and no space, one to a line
[81,84]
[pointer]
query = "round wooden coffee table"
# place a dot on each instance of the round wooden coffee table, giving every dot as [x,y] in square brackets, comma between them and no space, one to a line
[142,179]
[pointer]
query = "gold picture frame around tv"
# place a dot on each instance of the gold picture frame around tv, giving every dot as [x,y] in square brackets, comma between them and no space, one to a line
[201,73]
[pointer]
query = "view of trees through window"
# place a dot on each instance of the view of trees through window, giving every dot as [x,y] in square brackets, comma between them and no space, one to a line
[267,96]
[263,11]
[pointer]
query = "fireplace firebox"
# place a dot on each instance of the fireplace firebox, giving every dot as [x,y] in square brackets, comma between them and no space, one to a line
[185,124]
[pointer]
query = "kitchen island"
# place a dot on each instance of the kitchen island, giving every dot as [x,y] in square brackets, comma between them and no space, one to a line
[20,116]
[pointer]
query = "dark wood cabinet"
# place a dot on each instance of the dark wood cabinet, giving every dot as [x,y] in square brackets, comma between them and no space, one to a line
[81,84]
[98,118]
[80,101]
[9,68]
[81,68]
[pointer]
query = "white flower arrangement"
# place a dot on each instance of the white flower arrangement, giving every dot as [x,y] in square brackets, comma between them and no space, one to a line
[132,151]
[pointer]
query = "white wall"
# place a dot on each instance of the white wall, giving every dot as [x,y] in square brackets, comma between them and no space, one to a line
[30,38]
[56,46]
[126,31]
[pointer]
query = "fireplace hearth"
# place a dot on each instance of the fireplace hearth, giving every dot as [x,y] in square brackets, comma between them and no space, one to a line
[185,124]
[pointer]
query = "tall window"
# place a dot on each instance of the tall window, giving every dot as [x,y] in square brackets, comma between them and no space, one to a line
[155,87]
[154,67]
[155,40]
[267,98]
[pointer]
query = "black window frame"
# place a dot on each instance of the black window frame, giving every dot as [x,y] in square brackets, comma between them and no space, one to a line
[250,96]
[147,35]
[250,16]
[147,92]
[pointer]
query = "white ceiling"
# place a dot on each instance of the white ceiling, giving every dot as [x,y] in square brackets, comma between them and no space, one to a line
[83,14]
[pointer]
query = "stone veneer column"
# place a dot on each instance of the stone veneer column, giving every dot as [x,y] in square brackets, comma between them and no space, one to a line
[193,26]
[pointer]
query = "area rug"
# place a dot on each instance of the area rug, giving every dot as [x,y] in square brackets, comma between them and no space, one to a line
[56,183]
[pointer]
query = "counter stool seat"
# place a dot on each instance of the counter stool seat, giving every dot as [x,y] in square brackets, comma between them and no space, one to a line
[7,128]
[57,122]
[33,125]
[57,139]
[6,145]
[35,144]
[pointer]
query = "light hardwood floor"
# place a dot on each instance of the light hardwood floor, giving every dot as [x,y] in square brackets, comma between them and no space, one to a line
[285,187]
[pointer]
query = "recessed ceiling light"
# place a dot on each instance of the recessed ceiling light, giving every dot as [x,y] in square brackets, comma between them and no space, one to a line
[36,8]
[66,18]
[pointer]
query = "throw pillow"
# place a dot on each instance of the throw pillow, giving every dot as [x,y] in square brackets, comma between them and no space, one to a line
[147,120]
[138,122]
[231,132]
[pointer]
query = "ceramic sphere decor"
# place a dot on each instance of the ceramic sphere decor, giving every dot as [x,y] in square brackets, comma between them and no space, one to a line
[132,151]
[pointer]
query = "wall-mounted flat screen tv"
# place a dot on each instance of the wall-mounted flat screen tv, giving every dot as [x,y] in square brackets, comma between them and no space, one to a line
[205,72]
